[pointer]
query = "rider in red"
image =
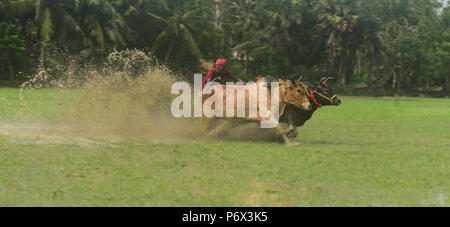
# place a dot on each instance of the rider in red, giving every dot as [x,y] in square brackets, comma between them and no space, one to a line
[219,73]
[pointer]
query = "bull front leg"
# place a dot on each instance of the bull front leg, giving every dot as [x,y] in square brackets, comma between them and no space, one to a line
[291,127]
[280,130]
[286,139]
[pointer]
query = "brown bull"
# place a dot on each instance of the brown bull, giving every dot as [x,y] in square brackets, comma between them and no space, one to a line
[290,93]
[319,96]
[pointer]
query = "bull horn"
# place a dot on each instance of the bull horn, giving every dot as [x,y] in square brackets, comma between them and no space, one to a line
[301,78]
[326,79]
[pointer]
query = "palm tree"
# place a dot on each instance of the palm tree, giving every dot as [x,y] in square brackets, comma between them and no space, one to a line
[12,47]
[50,17]
[219,13]
[178,28]
[260,28]
[104,27]
[282,14]
[399,19]
[337,17]
[73,24]
[247,30]
[56,17]
[371,46]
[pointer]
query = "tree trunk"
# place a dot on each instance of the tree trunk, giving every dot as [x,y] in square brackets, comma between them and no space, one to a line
[280,63]
[331,54]
[342,70]
[409,77]
[43,54]
[370,73]
[242,60]
[11,71]
[447,84]
[399,81]
[394,80]
[419,81]
[218,23]
[357,69]
[169,51]
[246,61]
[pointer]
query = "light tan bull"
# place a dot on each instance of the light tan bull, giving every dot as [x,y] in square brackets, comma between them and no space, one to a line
[289,93]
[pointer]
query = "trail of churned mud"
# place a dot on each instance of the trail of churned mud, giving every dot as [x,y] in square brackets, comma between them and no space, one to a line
[45,135]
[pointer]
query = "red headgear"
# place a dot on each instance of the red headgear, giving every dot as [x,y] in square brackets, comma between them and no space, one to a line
[221,62]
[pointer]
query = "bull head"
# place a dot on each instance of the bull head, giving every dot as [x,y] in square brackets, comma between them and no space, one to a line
[327,93]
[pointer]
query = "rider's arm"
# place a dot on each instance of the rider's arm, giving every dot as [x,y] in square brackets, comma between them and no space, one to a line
[208,76]
[231,76]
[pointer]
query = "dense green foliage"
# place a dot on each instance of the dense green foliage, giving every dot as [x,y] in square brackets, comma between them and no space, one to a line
[12,47]
[392,43]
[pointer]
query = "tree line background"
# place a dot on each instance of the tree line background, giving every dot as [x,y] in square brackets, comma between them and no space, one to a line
[367,45]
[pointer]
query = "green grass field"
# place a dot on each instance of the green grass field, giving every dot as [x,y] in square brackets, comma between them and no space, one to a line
[367,152]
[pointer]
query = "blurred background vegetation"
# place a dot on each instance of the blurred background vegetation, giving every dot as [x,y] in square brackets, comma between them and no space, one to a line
[381,47]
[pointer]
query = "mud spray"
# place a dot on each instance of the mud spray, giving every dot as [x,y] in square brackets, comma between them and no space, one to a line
[125,97]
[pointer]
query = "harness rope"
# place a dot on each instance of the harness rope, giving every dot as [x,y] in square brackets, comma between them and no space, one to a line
[326,98]
[312,93]
[314,99]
